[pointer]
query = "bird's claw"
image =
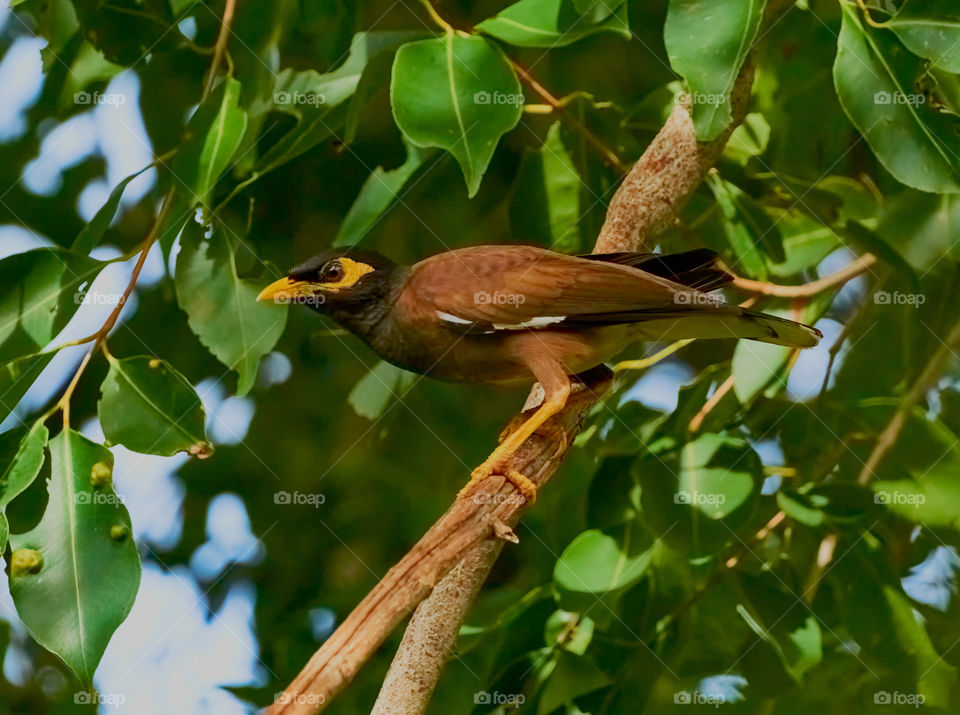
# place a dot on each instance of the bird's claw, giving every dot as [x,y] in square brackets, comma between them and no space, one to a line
[490,468]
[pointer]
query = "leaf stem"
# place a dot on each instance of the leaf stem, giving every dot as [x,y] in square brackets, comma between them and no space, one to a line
[868,17]
[435,16]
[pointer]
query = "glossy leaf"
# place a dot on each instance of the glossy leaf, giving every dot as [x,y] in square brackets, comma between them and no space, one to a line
[697,498]
[546,200]
[222,307]
[931,29]
[874,76]
[599,564]
[149,407]
[375,390]
[710,59]
[456,93]
[86,578]
[555,23]
[91,235]
[319,101]
[17,376]
[379,193]
[213,136]
[933,499]
[751,233]
[41,293]
[21,457]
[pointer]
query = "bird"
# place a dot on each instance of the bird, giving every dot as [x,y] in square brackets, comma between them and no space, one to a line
[516,314]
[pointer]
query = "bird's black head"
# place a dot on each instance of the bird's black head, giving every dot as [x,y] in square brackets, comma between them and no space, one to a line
[350,284]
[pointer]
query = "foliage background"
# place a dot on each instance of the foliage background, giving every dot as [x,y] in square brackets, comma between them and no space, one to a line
[617,599]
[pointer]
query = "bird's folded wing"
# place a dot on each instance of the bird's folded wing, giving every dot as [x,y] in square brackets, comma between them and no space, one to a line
[516,287]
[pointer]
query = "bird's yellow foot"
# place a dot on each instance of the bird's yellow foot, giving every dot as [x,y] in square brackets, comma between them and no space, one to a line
[493,467]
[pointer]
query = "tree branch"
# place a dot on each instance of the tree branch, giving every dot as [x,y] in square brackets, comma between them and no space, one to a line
[488,511]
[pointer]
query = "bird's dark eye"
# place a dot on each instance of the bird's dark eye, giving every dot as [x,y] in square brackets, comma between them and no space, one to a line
[332,272]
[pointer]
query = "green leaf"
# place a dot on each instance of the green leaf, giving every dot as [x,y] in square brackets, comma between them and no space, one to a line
[21,456]
[319,101]
[932,499]
[798,646]
[931,29]
[923,228]
[546,201]
[874,76]
[212,137]
[883,622]
[573,676]
[456,93]
[91,234]
[555,23]
[698,497]
[84,569]
[748,140]
[17,376]
[806,242]
[375,390]
[601,564]
[757,366]
[149,407]
[871,242]
[222,307]
[707,43]
[40,295]
[751,233]
[378,194]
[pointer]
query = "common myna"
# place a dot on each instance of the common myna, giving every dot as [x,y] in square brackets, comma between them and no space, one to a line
[514,314]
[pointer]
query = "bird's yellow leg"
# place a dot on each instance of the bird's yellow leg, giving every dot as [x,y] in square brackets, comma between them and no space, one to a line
[494,464]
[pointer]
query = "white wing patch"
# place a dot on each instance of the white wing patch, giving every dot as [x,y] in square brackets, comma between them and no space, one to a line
[448,318]
[458,323]
[541,321]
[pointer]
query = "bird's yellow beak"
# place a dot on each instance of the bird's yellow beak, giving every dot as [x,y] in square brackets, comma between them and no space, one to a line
[285,290]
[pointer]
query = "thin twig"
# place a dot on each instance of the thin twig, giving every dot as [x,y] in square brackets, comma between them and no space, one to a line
[808,290]
[928,377]
[220,47]
[557,106]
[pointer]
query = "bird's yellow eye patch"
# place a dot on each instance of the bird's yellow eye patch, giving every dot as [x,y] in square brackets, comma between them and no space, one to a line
[349,273]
